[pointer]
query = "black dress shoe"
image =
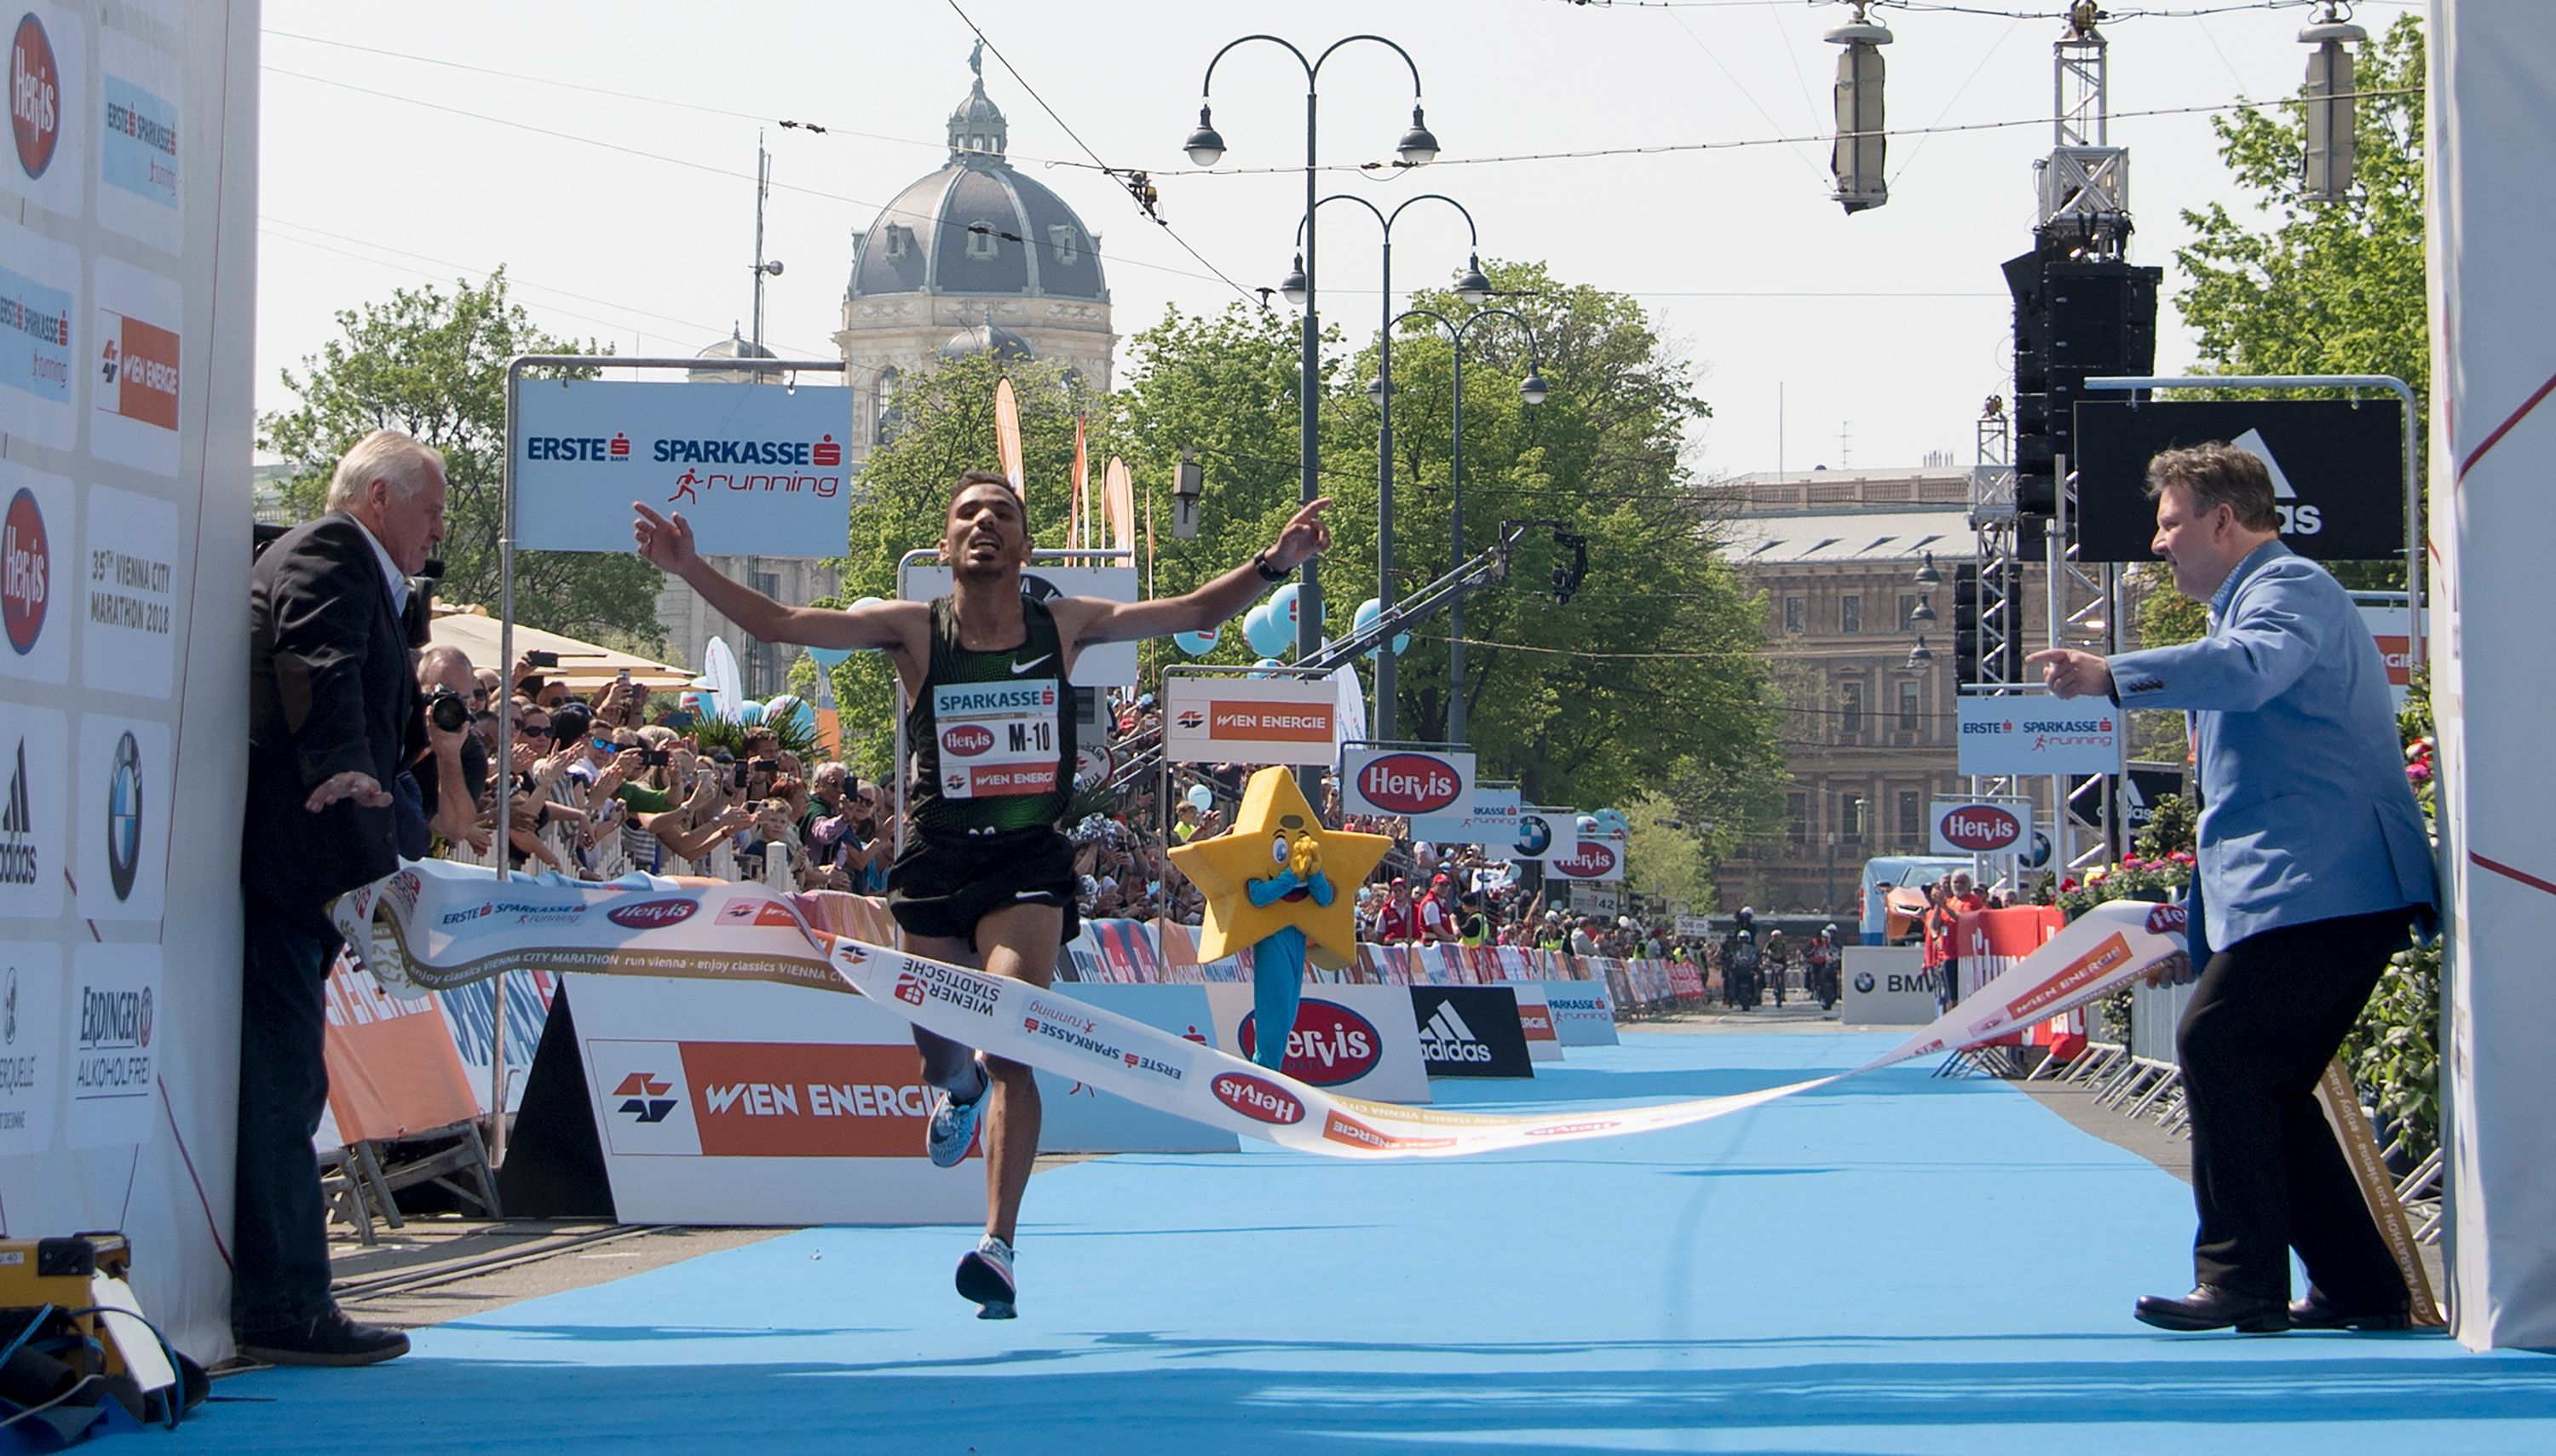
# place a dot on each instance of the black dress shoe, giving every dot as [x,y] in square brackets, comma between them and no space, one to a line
[2316,1313]
[328,1339]
[2209,1307]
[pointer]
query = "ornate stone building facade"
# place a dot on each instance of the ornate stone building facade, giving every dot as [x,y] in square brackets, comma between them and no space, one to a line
[974,257]
[1868,739]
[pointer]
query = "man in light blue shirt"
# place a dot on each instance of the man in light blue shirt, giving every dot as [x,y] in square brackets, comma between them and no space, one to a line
[2313,860]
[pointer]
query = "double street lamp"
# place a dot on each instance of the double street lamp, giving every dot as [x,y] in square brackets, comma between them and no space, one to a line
[1472,288]
[1206,147]
[1532,390]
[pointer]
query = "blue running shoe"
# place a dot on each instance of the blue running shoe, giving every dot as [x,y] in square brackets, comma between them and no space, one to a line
[954,1122]
[985,1276]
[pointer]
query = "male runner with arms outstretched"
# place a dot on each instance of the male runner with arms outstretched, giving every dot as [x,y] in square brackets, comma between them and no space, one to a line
[985,880]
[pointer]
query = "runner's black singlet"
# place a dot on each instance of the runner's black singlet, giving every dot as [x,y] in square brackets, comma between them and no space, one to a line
[991,733]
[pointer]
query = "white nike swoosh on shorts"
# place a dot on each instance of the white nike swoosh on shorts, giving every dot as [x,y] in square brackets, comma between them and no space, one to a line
[1021,667]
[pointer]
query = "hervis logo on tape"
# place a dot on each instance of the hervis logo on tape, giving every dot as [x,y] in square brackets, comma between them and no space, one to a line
[1410,783]
[968,740]
[653,915]
[1258,1099]
[1980,828]
[2168,920]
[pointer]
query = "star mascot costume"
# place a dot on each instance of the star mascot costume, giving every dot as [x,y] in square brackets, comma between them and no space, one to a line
[1273,884]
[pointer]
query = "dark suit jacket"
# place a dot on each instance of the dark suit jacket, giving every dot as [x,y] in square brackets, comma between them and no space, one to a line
[330,689]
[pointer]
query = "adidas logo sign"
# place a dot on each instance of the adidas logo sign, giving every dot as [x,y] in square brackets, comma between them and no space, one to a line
[17,855]
[1448,1040]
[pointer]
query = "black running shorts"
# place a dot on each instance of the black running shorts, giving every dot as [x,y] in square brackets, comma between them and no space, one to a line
[944,887]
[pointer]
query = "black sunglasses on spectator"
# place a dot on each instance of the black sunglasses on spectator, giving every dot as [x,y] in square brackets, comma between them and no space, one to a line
[533,733]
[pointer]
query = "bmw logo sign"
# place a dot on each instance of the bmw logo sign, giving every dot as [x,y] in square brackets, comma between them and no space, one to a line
[124,818]
[1863,982]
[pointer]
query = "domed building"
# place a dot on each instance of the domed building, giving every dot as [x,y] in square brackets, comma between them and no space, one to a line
[973,258]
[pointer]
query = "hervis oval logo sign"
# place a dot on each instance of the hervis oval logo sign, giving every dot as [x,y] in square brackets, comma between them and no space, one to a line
[1593,860]
[652,914]
[968,740]
[1982,828]
[1258,1099]
[1410,783]
[1331,1044]
[2168,920]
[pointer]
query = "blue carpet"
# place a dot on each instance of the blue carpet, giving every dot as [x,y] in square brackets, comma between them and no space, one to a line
[1894,1264]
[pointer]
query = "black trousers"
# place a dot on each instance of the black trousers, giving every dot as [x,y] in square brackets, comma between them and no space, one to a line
[2268,1175]
[279,1224]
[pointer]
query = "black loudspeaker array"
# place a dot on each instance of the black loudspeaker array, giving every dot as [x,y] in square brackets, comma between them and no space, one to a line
[2074,319]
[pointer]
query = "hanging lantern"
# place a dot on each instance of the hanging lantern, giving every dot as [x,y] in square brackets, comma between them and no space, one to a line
[1858,157]
[2333,110]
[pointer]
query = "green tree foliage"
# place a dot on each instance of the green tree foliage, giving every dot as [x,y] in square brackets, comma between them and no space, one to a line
[2310,288]
[434,365]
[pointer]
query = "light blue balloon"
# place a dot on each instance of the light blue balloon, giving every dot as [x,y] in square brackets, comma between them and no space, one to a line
[791,709]
[1282,604]
[1197,644]
[829,658]
[749,713]
[1201,797]
[1267,635]
[1401,644]
[1266,662]
[1365,618]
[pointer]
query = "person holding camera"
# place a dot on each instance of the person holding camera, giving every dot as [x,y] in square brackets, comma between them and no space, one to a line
[452,770]
[332,703]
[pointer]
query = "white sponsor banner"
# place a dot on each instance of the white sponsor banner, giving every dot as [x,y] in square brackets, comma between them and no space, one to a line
[1412,781]
[112,1046]
[761,1105]
[134,357]
[2034,733]
[2392,629]
[49,109]
[1080,1118]
[133,581]
[757,470]
[1694,925]
[37,548]
[1047,1028]
[120,802]
[1101,664]
[31,1043]
[1598,857]
[1354,1040]
[1535,1019]
[1582,1013]
[1546,834]
[43,336]
[1888,985]
[141,167]
[1981,825]
[1230,720]
[34,814]
[1491,821]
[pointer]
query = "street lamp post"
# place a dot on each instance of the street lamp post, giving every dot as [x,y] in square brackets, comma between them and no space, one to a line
[1204,147]
[1472,288]
[1532,390]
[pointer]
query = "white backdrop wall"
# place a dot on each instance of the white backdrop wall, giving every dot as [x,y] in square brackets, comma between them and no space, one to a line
[2492,124]
[127,276]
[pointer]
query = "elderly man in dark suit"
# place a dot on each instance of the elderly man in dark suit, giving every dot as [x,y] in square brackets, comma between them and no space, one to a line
[332,711]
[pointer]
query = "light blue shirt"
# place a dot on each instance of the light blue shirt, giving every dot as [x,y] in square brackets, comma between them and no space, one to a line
[2306,813]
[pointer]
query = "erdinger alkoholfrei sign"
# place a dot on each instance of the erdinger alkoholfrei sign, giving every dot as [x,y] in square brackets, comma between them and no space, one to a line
[756,470]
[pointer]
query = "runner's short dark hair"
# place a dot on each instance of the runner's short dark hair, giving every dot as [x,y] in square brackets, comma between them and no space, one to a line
[967,479]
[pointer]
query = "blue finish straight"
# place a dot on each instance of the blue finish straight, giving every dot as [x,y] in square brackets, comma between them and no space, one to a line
[1897,1264]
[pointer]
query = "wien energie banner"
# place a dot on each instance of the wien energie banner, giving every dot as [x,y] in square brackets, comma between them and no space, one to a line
[436,925]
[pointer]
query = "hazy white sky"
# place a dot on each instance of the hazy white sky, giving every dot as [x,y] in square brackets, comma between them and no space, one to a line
[391,157]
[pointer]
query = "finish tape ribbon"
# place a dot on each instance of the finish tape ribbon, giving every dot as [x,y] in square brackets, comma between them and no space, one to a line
[433,926]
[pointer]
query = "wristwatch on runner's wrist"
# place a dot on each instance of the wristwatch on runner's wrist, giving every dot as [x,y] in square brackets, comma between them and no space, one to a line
[1268,570]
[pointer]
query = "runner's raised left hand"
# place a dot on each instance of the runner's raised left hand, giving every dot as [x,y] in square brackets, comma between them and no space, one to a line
[1302,536]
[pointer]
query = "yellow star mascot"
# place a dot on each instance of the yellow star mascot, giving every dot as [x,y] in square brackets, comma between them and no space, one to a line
[1269,885]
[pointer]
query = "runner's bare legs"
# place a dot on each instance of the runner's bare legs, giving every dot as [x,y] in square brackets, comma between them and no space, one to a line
[1020,942]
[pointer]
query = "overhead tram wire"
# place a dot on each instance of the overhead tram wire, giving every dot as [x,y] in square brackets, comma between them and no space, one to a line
[713,169]
[1116,174]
